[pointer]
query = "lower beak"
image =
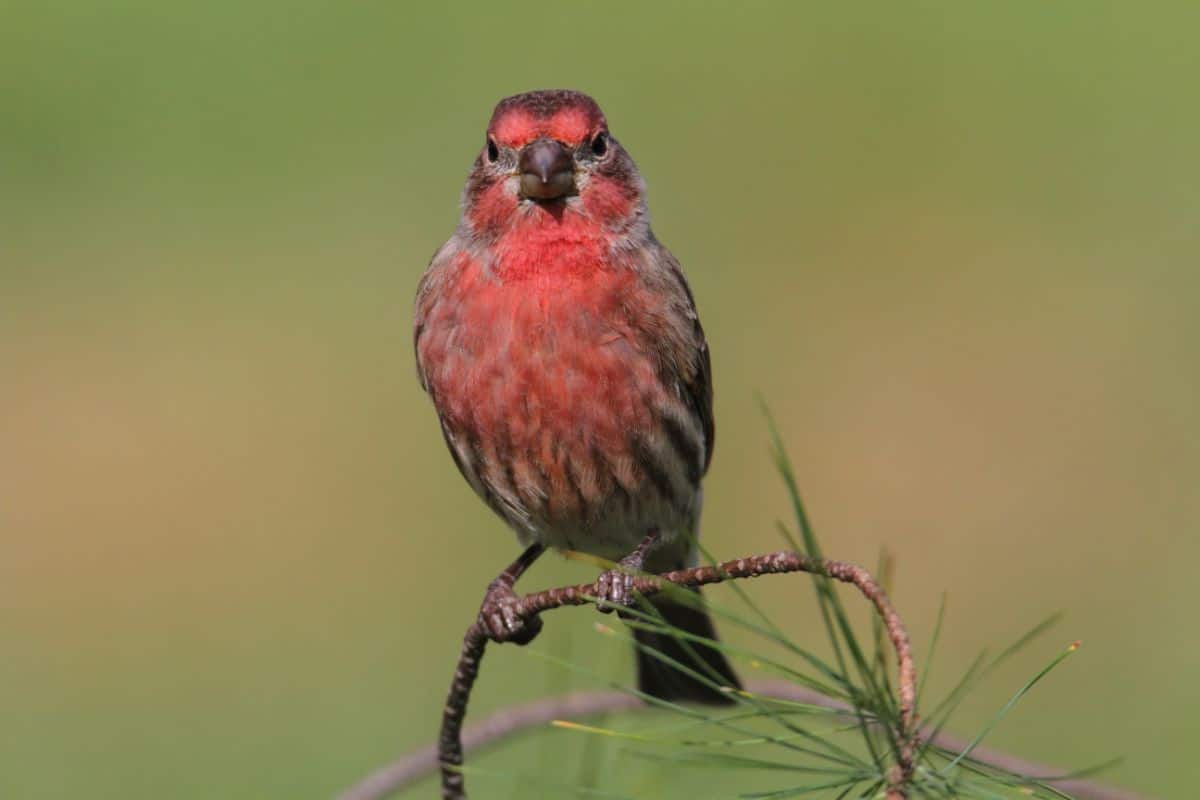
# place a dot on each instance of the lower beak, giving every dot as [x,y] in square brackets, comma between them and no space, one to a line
[547,171]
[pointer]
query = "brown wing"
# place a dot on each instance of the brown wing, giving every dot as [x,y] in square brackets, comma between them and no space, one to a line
[691,363]
[427,294]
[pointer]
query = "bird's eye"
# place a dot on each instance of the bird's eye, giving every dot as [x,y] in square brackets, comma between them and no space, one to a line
[493,150]
[600,144]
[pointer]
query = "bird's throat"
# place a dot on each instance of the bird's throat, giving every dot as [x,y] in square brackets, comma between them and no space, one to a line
[541,244]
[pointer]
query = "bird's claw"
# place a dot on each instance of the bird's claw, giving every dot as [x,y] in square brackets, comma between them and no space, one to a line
[614,591]
[501,620]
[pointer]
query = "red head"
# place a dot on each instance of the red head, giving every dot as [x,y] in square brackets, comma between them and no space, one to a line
[548,159]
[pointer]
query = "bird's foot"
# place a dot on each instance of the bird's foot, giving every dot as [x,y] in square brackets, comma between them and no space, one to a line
[614,589]
[501,618]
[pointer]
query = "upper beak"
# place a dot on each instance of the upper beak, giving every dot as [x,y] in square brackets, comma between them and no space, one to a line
[547,171]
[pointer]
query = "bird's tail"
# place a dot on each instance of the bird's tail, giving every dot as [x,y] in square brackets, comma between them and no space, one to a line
[658,677]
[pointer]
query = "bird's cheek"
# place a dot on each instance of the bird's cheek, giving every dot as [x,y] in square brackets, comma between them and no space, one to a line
[494,207]
[606,200]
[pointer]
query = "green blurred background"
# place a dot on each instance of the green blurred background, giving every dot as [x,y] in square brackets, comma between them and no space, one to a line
[954,245]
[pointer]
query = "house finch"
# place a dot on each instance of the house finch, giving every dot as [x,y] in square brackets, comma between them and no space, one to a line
[559,342]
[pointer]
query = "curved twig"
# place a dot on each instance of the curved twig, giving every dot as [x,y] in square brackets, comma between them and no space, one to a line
[450,747]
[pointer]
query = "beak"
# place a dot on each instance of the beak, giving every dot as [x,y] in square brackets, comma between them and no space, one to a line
[547,171]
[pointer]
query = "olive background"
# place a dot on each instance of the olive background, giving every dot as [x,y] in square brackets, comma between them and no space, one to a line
[954,246]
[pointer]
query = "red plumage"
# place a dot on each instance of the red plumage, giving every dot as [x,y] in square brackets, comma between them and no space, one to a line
[559,342]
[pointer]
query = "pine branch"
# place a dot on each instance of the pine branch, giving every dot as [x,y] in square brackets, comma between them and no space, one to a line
[453,741]
[450,744]
[407,770]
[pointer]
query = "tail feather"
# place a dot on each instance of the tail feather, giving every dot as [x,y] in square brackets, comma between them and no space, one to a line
[661,679]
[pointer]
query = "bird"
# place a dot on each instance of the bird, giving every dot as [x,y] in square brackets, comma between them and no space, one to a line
[561,347]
